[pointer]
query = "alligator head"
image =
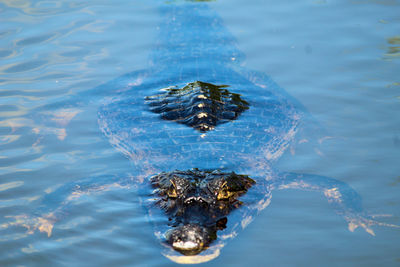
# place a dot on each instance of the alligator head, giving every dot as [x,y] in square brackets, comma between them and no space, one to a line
[197,204]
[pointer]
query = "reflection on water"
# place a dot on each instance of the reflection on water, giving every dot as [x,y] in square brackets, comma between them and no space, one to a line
[66,196]
[394,47]
[42,7]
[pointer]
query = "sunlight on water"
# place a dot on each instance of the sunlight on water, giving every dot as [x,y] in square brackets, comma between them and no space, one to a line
[69,198]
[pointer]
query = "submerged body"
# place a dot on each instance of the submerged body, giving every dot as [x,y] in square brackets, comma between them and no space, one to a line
[197,108]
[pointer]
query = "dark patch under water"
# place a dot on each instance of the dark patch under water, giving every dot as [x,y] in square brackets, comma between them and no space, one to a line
[200,105]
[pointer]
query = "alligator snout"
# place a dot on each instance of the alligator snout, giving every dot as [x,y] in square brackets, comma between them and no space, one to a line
[190,239]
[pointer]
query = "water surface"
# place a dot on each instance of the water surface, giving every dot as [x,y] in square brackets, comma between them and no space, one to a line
[340,59]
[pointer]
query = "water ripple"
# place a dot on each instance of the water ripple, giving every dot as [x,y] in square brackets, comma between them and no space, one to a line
[35,39]
[25,66]
[10,185]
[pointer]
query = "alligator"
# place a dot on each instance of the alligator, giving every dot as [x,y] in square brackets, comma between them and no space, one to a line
[203,134]
[198,108]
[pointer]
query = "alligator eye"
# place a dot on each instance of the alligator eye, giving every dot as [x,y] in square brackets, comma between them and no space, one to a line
[224,192]
[172,190]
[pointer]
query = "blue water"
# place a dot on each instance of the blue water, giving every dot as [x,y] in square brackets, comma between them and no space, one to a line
[339,59]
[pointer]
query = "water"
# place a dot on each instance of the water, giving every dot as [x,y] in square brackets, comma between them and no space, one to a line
[340,59]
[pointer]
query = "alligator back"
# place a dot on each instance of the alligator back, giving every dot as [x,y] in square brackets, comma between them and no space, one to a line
[193,45]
